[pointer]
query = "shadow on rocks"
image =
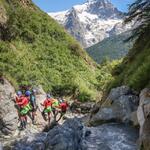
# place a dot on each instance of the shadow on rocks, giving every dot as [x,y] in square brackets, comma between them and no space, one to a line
[50,126]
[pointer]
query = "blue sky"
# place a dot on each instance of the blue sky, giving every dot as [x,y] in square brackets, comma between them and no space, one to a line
[60,5]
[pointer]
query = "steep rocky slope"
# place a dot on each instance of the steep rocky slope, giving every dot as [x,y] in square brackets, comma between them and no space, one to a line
[92,21]
[9,121]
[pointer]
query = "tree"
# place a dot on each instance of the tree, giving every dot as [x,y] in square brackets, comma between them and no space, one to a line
[139,11]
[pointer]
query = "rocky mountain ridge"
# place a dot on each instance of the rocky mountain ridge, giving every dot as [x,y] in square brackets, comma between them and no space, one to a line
[92,21]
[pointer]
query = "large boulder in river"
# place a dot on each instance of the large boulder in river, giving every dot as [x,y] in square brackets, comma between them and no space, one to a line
[122,103]
[143,114]
[65,137]
[8,113]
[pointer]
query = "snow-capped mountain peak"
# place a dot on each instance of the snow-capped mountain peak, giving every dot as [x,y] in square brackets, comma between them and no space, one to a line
[92,21]
[95,1]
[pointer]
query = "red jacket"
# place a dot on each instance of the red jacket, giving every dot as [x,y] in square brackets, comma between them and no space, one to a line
[47,103]
[64,106]
[23,101]
[17,99]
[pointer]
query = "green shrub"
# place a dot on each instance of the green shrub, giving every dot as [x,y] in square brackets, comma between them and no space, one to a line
[83,97]
[134,71]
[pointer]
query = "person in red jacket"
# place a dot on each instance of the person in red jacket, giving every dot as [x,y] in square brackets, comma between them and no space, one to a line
[23,104]
[18,96]
[63,105]
[47,108]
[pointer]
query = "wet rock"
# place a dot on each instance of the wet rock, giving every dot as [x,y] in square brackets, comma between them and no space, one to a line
[31,142]
[123,104]
[110,137]
[95,109]
[8,113]
[116,93]
[72,135]
[65,137]
[62,137]
[86,107]
[134,119]
[1,146]
[83,108]
[75,106]
[143,114]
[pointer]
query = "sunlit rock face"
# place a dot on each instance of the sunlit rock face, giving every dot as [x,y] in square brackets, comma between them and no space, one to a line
[143,114]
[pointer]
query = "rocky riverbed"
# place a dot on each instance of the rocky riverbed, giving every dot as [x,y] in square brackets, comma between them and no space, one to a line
[73,135]
[114,126]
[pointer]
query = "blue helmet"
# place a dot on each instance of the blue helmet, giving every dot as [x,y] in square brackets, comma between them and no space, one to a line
[27,93]
[48,96]
[19,93]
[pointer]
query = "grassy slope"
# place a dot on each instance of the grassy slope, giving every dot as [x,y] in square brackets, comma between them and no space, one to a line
[135,69]
[111,48]
[36,50]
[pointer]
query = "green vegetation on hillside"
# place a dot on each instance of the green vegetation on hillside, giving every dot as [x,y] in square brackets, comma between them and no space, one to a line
[112,48]
[35,50]
[135,68]
[105,76]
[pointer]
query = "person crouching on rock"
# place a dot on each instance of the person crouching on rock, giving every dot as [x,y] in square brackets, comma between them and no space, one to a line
[47,108]
[25,107]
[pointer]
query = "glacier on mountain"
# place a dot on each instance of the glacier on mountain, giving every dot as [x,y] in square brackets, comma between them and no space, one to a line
[92,21]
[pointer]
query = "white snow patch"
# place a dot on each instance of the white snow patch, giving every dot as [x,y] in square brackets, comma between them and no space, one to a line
[91,26]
